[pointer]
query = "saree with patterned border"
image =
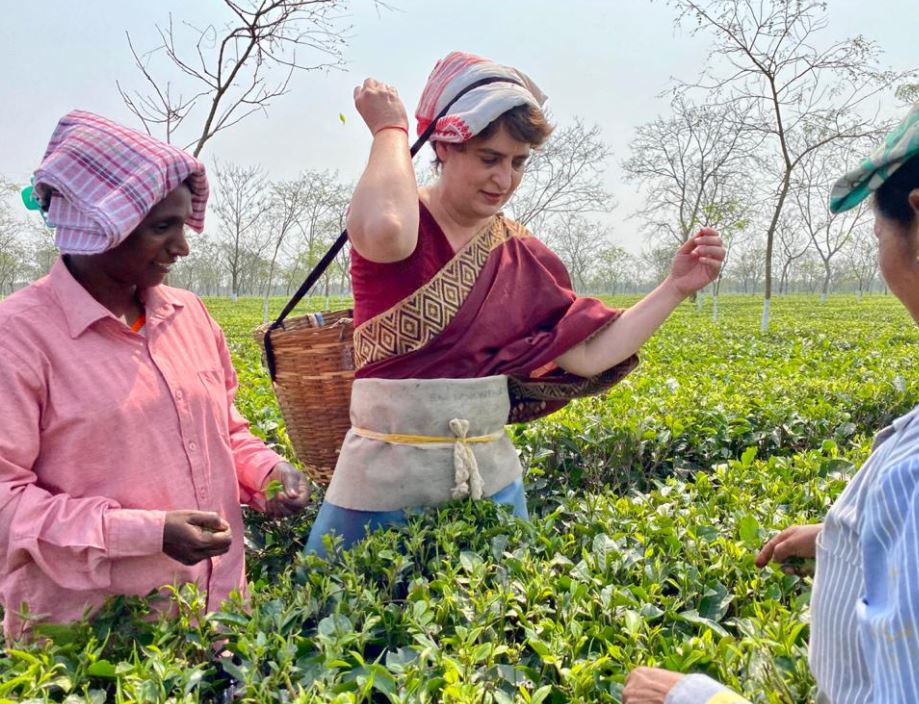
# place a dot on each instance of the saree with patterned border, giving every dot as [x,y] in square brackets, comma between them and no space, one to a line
[502,305]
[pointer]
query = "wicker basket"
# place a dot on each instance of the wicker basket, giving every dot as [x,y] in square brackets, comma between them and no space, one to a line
[314,369]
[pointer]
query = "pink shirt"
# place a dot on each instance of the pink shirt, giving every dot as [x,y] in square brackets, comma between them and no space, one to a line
[103,430]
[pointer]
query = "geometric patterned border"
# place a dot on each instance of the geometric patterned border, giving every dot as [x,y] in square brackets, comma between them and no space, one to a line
[422,315]
[529,397]
[555,391]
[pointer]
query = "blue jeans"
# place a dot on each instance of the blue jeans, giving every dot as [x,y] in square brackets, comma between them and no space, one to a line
[354,525]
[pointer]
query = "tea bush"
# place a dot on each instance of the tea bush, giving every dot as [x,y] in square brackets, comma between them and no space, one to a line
[649,505]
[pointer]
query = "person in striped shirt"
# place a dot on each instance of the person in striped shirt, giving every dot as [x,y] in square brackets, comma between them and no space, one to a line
[864,645]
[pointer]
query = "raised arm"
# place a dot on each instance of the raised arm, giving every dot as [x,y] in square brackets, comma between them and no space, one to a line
[383,218]
[695,265]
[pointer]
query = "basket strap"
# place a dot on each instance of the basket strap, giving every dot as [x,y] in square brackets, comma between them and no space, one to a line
[336,247]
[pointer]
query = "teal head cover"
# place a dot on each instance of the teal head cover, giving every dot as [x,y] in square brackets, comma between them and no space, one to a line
[898,147]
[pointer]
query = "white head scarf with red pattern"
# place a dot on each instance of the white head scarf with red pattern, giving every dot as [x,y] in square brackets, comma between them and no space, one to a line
[473,112]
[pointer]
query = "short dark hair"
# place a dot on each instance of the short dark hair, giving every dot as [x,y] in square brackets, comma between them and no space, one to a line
[525,123]
[892,198]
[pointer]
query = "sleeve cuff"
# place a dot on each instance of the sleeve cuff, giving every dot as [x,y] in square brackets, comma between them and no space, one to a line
[134,532]
[701,689]
[257,479]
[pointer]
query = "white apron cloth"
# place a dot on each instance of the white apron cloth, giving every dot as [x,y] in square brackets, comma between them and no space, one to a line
[423,442]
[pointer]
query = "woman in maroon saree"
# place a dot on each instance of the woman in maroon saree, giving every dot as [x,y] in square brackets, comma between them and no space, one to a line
[464,320]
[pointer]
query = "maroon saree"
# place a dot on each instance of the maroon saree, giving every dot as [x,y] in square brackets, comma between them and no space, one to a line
[503,304]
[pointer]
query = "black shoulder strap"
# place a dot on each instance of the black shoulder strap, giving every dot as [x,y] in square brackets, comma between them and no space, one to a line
[329,256]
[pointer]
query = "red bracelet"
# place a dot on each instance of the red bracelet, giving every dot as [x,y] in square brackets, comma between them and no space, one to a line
[391,127]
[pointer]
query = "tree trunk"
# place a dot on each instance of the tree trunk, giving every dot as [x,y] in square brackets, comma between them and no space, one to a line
[268,288]
[770,238]
[234,287]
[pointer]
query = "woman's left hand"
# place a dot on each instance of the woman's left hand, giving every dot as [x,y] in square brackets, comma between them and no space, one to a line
[697,262]
[790,547]
[293,494]
[649,685]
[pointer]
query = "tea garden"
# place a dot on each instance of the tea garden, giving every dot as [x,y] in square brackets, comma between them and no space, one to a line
[648,507]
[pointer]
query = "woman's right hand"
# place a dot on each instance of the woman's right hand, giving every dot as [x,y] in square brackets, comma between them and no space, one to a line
[380,105]
[796,541]
[192,536]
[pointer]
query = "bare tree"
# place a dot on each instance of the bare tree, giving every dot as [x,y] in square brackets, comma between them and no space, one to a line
[639,275]
[253,271]
[24,241]
[313,206]
[39,252]
[240,203]
[235,69]
[793,243]
[10,244]
[656,258]
[829,233]
[202,270]
[341,265]
[810,272]
[728,216]
[686,163]
[578,243]
[749,264]
[563,177]
[611,270]
[861,258]
[285,207]
[320,224]
[800,97]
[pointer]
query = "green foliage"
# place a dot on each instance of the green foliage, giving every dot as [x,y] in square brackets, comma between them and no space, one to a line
[650,505]
[707,391]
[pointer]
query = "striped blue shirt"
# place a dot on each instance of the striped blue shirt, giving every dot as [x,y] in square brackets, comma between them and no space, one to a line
[865,606]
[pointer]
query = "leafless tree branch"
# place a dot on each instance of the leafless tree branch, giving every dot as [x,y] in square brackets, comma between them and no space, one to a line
[234,69]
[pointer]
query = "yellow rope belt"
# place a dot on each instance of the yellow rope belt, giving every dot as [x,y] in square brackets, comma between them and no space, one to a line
[467,480]
[401,439]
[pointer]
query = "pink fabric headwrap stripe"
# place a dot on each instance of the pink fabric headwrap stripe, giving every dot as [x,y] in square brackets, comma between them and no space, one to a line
[479,107]
[99,180]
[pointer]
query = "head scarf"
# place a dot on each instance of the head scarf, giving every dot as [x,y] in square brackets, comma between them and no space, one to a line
[899,147]
[473,112]
[98,180]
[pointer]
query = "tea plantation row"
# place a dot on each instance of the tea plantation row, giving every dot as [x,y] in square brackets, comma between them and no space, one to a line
[649,505]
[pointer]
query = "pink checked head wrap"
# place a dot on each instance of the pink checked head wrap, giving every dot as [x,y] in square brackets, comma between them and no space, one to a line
[98,180]
[478,108]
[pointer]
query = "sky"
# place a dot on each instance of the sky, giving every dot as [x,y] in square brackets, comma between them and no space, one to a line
[609,62]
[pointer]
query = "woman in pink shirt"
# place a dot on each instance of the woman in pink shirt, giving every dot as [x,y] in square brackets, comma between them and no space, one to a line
[123,461]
